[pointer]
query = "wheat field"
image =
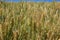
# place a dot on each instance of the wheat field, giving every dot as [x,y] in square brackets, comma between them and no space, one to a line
[30,21]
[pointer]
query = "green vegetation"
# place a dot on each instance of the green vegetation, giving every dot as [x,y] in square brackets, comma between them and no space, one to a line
[30,21]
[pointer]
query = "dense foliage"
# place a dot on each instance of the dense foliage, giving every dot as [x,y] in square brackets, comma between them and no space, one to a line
[30,21]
